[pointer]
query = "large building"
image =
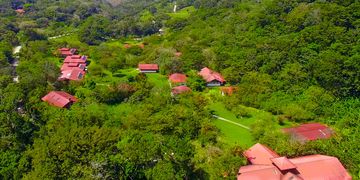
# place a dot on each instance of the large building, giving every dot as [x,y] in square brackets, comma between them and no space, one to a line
[267,164]
[211,77]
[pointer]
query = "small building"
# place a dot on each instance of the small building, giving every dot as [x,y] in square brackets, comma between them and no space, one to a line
[309,132]
[264,163]
[148,68]
[127,46]
[142,45]
[59,99]
[211,77]
[178,79]
[227,90]
[67,51]
[161,31]
[177,54]
[20,11]
[180,90]
[73,74]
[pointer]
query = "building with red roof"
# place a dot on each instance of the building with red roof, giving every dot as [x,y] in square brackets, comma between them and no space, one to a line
[127,46]
[148,68]
[180,90]
[227,90]
[142,46]
[20,11]
[67,51]
[211,77]
[59,99]
[267,164]
[177,54]
[178,78]
[309,132]
[73,74]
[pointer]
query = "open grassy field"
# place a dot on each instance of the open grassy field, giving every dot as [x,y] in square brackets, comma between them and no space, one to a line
[232,134]
[160,81]
[183,13]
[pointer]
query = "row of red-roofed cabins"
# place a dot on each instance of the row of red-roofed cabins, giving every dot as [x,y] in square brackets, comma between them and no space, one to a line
[74,65]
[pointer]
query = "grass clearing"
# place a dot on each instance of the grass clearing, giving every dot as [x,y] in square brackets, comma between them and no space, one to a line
[159,80]
[183,13]
[232,134]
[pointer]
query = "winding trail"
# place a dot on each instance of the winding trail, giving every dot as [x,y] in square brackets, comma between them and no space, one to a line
[229,121]
[15,63]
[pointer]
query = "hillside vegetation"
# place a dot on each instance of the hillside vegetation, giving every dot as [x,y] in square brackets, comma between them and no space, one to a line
[292,62]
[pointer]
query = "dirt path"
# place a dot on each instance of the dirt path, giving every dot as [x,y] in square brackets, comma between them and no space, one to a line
[229,121]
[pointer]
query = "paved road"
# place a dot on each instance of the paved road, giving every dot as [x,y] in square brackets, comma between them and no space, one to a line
[229,121]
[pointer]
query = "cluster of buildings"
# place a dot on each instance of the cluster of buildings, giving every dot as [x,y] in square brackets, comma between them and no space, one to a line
[74,66]
[72,69]
[263,163]
[178,80]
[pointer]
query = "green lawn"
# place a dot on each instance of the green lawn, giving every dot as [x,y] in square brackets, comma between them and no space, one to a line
[232,134]
[183,13]
[159,81]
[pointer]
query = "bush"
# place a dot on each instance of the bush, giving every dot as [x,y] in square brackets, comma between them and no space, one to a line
[240,112]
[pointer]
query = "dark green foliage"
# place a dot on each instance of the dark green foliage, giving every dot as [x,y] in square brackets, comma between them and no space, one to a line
[298,60]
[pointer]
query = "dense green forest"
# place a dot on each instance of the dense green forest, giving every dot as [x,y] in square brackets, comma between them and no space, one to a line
[291,62]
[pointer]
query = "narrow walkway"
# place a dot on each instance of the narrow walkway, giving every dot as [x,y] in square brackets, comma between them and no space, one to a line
[226,120]
[15,63]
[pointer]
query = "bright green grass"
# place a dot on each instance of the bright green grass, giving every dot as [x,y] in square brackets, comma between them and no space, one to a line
[232,134]
[183,13]
[159,81]
[146,16]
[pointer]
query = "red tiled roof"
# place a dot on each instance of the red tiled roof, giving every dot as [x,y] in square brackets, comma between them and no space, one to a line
[210,75]
[260,154]
[281,168]
[67,51]
[178,54]
[154,67]
[20,11]
[127,46]
[310,132]
[75,59]
[73,74]
[228,90]
[59,98]
[69,66]
[283,163]
[180,89]
[178,78]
